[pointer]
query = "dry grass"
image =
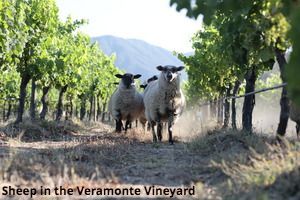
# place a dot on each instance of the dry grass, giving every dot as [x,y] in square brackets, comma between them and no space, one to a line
[255,166]
[222,164]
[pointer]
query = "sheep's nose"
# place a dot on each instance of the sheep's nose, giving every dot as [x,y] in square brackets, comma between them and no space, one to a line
[169,76]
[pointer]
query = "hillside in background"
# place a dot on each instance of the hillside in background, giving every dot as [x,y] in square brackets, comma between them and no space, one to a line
[137,56]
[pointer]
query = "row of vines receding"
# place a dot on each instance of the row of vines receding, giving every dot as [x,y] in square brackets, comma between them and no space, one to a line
[47,66]
[239,41]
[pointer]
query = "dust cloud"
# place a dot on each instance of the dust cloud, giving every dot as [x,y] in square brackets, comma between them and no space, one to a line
[196,121]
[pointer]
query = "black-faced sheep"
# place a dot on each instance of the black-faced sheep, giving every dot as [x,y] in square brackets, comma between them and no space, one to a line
[153,78]
[164,100]
[143,119]
[126,103]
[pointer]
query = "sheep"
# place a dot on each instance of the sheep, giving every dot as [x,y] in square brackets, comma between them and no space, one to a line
[144,85]
[295,116]
[130,124]
[143,119]
[164,100]
[126,103]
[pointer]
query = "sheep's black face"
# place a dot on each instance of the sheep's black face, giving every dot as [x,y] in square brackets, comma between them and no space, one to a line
[143,86]
[170,72]
[127,79]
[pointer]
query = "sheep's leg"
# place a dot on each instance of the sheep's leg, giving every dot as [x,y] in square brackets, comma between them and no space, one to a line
[159,129]
[170,129]
[159,125]
[118,125]
[153,132]
[127,125]
[170,134]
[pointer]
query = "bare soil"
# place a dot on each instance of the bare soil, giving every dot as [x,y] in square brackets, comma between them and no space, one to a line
[95,156]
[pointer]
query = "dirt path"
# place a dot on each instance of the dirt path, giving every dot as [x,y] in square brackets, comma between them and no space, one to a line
[222,164]
[99,157]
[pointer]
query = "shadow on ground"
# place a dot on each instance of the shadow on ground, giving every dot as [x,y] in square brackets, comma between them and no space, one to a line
[98,157]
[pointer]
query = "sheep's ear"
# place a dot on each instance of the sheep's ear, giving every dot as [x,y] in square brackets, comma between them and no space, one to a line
[180,68]
[154,78]
[160,68]
[119,76]
[137,76]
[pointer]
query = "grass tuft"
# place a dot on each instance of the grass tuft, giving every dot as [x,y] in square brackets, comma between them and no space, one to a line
[254,165]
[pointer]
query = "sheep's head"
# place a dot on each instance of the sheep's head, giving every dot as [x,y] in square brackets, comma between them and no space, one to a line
[153,78]
[170,72]
[145,84]
[127,80]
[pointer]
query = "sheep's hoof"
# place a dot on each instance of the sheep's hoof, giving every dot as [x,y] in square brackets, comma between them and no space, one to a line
[154,139]
[171,142]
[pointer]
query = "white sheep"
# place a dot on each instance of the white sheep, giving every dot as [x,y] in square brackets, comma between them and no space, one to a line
[143,119]
[164,100]
[295,116]
[126,103]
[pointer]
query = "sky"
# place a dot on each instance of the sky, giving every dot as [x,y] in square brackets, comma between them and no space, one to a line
[153,21]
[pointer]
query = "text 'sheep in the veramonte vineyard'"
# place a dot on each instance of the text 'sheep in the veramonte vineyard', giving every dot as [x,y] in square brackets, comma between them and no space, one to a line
[84,191]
